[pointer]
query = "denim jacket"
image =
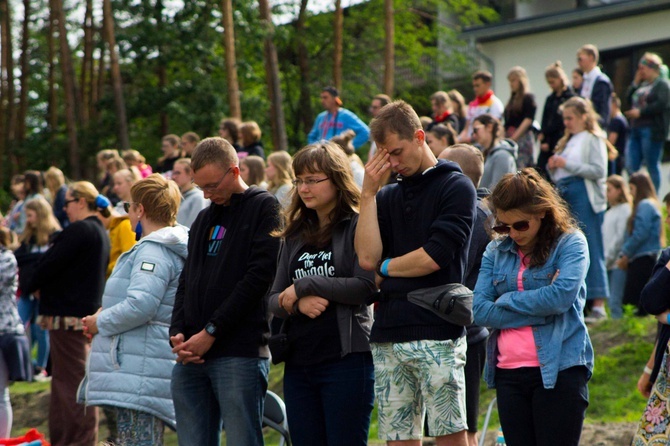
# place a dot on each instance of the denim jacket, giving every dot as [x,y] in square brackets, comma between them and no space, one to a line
[552,308]
[645,239]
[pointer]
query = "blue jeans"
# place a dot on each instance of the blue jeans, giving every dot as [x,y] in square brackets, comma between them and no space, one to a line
[531,415]
[221,392]
[617,281]
[330,404]
[573,191]
[28,311]
[642,148]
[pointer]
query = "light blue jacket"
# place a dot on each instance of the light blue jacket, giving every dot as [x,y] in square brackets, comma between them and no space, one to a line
[646,236]
[328,125]
[131,361]
[553,310]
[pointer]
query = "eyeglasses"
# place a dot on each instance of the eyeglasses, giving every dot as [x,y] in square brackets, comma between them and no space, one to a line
[476,129]
[211,189]
[127,204]
[69,201]
[309,183]
[520,226]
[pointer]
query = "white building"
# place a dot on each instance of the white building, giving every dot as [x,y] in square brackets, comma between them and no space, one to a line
[536,33]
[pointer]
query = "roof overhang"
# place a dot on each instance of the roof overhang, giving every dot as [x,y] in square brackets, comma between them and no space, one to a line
[564,19]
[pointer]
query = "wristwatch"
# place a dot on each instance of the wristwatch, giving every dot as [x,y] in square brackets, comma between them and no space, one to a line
[210,329]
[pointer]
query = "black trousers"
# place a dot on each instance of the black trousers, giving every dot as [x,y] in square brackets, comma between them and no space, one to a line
[531,415]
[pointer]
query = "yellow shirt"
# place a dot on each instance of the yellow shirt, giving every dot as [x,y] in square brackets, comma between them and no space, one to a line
[122,238]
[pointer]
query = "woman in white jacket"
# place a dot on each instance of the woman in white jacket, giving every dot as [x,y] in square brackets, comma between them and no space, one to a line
[131,360]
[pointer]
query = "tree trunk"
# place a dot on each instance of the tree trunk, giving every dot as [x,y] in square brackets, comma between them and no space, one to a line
[70,88]
[337,51]
[231,60]
[119,103]
[86,63]
[389,48]
[8,106]
[98,83]
[279,138]
[161,72]
[52,108]
[305,102]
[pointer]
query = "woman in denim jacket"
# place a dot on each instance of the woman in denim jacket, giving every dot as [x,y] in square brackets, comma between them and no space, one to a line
[531,290]
[643,241]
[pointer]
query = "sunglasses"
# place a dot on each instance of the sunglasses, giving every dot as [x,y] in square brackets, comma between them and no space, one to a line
[519,226]
[127,204]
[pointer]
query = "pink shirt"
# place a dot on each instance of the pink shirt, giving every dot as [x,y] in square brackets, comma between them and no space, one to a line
[516,346]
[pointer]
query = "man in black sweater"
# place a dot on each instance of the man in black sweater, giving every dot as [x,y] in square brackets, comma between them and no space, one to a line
[415,234]
[219,327]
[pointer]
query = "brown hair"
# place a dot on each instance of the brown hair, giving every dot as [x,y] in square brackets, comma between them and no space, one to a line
[617,182]
[527,192]
[250,132]
[191,137]
[232,125]
[214,150]
[458,101]
[282,162]
[32,182]
[384,99]
[133,156]
[8,238]
[301,221]
[515,102]
[173,139]
[444,131]
[159,197]
[442,98]
[483,75]
[469,158]
[256,166]
[496,132]
[644,189]
[46,222]
[116,163]
[399,118]
[186,162]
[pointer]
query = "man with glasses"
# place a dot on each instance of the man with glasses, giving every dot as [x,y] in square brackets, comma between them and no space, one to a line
[415,234]
[596,85]
[219,327]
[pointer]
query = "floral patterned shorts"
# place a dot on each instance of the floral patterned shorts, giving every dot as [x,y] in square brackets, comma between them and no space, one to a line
[653,428]
[416,379]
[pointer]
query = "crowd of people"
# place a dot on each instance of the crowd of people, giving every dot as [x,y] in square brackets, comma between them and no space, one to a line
[150,294]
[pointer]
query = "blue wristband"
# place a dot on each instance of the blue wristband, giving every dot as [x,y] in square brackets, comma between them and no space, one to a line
[385,268]
[667,319]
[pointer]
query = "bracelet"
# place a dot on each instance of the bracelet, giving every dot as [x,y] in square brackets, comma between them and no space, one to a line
[647,370]
[385,268]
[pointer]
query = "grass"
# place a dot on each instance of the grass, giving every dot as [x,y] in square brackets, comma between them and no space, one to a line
[622,348]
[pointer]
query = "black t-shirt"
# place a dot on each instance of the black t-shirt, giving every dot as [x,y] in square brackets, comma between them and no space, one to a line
[314,341]
[514,118]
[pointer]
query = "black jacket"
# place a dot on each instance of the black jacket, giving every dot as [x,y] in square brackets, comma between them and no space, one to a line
[657,108]
[230,292]
[553,128]
[435,211]
[71,274]
[655,299]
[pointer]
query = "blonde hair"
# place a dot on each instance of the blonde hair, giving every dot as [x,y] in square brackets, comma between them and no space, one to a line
[54,179]
[159,197]
[282,162]
[130,175]
[515,102]
[8,238]
[46,222]
[555,71]
[87,191]
[584,107]
[134,157]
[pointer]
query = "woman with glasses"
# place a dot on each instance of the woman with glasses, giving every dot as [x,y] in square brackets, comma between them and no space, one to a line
[499,153]
[531,291]
[321,291]
[69,281]
[131,360]
[579,170]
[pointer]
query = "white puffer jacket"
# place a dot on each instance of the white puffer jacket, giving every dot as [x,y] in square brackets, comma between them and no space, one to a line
[131,361]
